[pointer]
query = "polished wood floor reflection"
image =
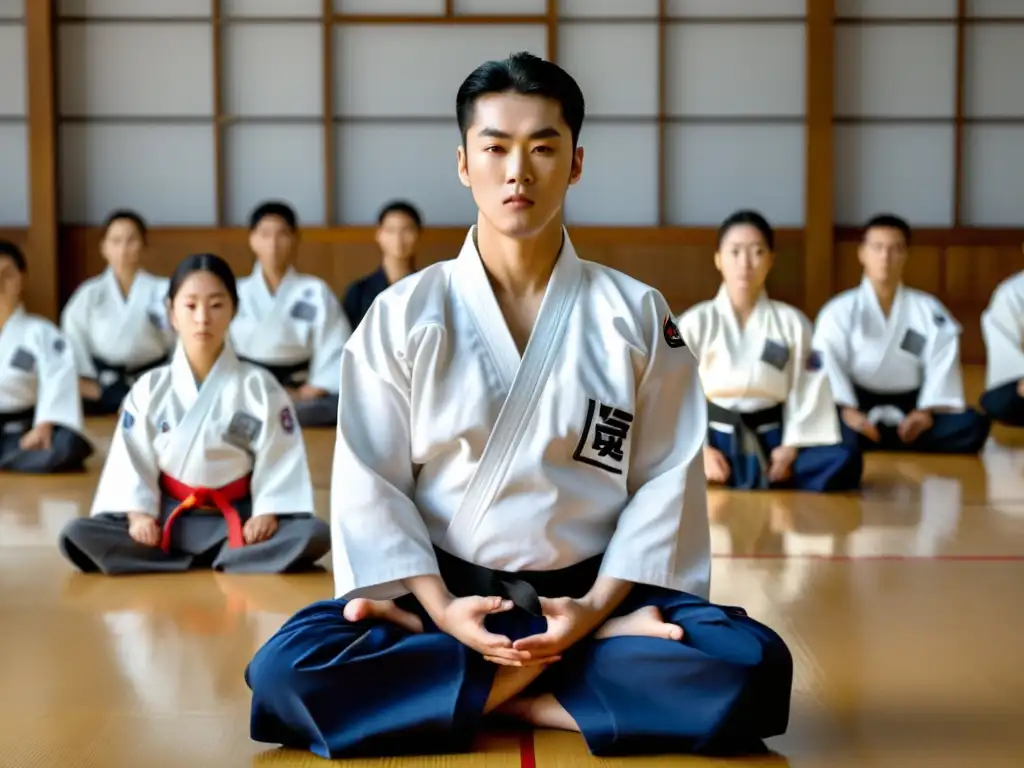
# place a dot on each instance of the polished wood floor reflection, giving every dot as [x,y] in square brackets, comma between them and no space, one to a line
[903,605]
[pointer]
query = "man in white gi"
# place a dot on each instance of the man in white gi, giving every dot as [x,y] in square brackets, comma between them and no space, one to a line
[1002,326]
[892,354]
[519,468]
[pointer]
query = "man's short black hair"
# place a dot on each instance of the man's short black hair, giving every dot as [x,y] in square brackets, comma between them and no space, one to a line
[888,221]
[274,208]
[526,74]
[10,249]
[403,207]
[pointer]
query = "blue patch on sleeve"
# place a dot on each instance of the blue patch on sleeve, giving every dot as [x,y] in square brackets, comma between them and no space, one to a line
[127,419]
[814,361]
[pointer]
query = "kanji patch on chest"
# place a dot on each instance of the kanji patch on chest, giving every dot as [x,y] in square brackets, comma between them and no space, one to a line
[913,342]
[243,429]
[775,354]
[23,360]
[303,310]
[604,442]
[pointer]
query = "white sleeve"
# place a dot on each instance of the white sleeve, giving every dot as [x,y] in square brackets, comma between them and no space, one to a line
[830,340]
[130,480]
[329,338]
[1002,327]
[74,323]
[942,385]
[691,328]
[810,416]
[378,537]
[281,481]
[57,399]
[662,537]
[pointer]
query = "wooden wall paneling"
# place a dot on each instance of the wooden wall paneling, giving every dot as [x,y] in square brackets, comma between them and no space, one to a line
[819,267]
[41,290]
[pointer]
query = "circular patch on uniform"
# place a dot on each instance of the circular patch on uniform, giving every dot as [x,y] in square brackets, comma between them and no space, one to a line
[814,361]
[287,420]
[672,335]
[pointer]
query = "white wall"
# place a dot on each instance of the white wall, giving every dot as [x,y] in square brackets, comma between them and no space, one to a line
[137,106]
[13,110]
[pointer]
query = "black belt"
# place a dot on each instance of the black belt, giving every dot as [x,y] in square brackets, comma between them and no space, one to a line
[524,588]
[867,400]
[13,417]
[283,373]
[125,372]
[746,426]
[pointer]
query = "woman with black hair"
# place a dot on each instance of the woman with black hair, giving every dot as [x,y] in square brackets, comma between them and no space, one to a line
[40,413]
[772,421]
[116,322]
[207,467]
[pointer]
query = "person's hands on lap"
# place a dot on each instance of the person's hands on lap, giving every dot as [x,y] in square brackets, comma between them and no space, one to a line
[143,529]
[569,621]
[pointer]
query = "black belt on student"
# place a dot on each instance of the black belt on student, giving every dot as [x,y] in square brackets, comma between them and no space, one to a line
[284,373]
[524,588]
[124,372]
[904,401]
[15,417]
[746,427]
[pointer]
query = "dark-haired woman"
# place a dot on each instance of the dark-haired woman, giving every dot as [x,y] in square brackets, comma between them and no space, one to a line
[290,323]
[40,413]
[772,421]
[116,322]
[207,467]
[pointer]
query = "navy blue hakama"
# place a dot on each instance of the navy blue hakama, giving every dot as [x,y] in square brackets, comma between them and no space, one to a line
[372,688]
[1004,405]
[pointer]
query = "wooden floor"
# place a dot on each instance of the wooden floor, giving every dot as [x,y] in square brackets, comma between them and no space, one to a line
[903,606]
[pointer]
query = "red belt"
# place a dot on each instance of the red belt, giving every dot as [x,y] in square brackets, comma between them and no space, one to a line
[191,498]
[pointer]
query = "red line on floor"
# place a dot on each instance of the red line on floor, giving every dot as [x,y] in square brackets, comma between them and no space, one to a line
[527,756]
[870,558]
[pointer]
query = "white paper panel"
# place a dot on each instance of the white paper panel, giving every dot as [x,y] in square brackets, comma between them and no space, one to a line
[166,172]
[736,69]
[274,161]
[273,70]
[907,169]
[737,7]
[996,8]
[898,71]
[994,70]
[377,163]
[136,69]
[616,65]
[993,191]
[390,7]
[619,186]
[905,9]
[242,8]
[416,70]
[577,8]
[133,8]
[501,7]
[13,71]
[14,173]
[12,9]
[712,170]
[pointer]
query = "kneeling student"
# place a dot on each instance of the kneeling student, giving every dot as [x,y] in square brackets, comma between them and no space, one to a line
[207,466]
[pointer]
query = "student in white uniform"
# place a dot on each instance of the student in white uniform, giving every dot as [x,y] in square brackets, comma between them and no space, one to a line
[287,322]
[117,322]
[518,465]
[1002,326]
[893,356]
[40,411]
[207,467]
[772,419]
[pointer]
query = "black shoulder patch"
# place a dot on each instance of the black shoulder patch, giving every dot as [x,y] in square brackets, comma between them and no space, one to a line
[672,335]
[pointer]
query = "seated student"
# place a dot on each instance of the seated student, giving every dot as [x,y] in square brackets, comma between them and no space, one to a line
[287,322]
[893,356]
[398,235]
[518,465]
[206,467]
[116,322]
[40,411]
[1002,326]
[772,419]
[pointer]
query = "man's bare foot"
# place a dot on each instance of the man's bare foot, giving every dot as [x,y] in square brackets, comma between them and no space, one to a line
[643,622]
[541,711]
[361,609]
